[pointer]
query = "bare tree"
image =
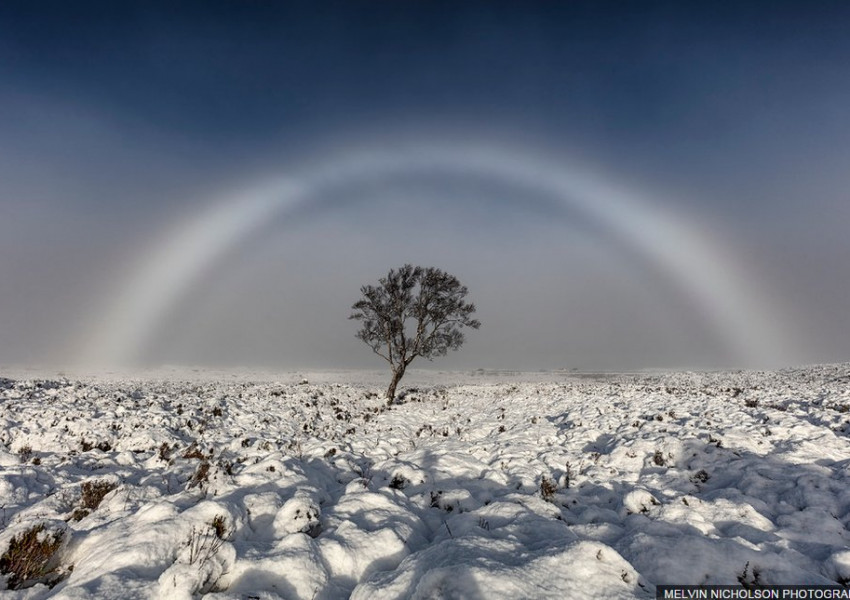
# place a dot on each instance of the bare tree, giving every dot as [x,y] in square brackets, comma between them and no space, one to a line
[413,311]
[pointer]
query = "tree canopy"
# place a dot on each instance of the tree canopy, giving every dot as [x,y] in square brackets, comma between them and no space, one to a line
[413,311]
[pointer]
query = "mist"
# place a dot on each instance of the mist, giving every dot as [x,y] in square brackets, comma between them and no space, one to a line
[122,129]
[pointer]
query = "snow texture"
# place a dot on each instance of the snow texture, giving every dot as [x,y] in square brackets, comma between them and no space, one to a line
[478,485]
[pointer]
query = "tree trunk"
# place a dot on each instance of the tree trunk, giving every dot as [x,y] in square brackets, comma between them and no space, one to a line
[397,375]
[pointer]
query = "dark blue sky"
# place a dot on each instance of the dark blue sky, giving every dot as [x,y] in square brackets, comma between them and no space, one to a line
[242,71]
[681,90]
[118,116]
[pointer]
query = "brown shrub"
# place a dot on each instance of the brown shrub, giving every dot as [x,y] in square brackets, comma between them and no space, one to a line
[194,452]
[219,525]
[29,556]
[25,452]
[548,487]
[164,451]
[202,475]
[94,492]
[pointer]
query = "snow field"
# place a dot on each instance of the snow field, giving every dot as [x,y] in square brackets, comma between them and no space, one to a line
[517,487]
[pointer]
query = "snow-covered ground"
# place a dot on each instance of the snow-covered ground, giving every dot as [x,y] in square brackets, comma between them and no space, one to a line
[476,485]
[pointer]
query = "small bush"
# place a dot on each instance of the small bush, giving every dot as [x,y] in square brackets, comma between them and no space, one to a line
[202,475]
[94,492]
[25,452]
[194,452]
[226,466]
[203,546]
[398,482]
[700,476]
[79,514]
[164,452]
[219,525]
[750,581]
[29,556]
[548,487]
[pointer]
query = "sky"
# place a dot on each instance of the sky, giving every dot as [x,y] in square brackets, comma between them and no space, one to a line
[620,185]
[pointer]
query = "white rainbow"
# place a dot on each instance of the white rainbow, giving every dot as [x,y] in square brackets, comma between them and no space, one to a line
[709,279]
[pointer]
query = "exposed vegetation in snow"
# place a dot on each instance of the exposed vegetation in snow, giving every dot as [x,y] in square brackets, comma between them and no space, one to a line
[550,485]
